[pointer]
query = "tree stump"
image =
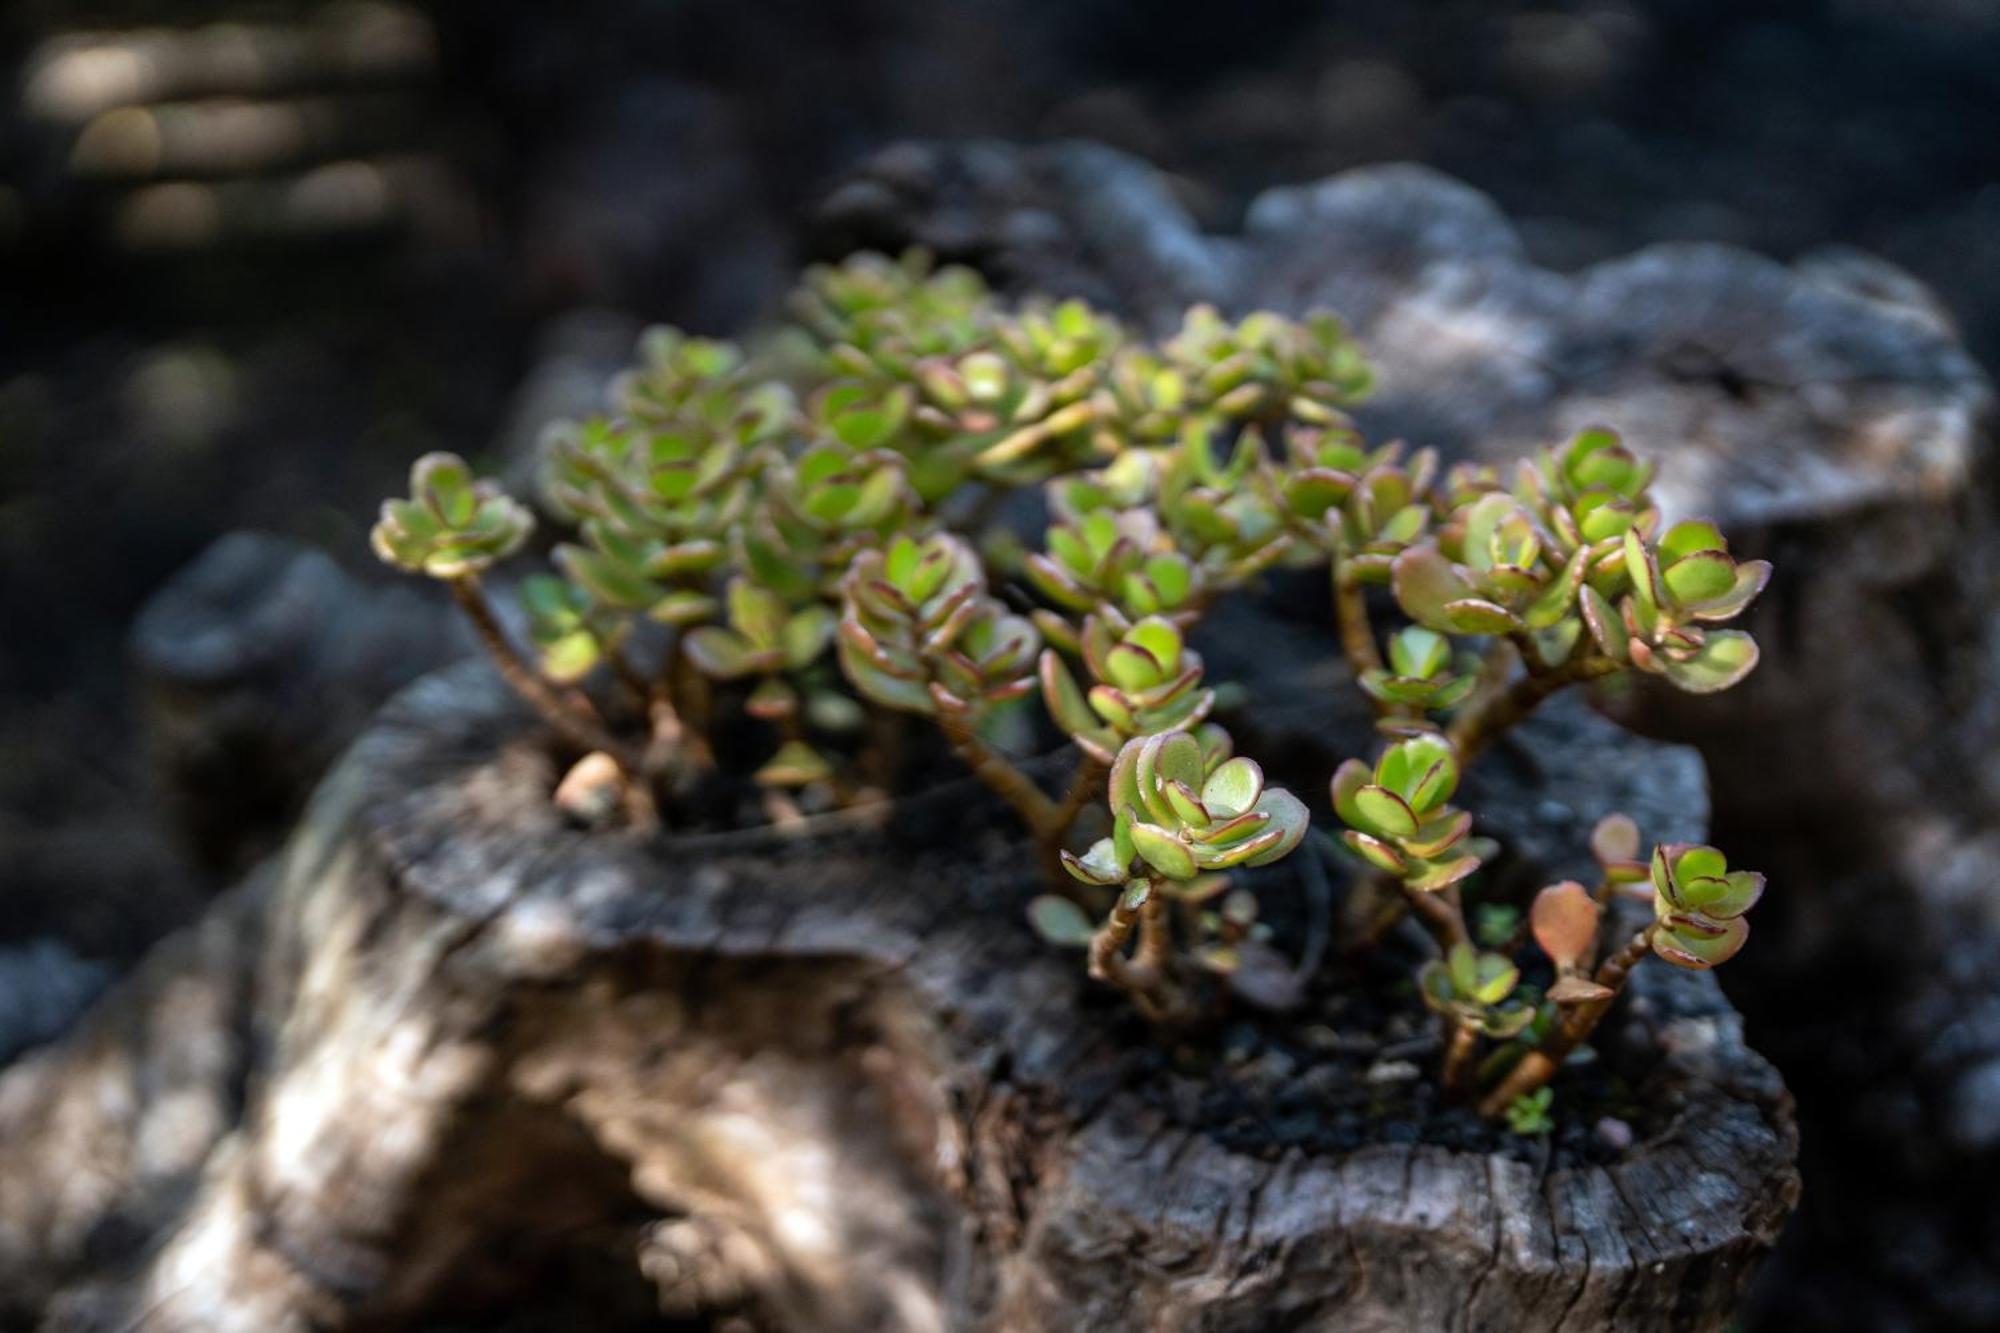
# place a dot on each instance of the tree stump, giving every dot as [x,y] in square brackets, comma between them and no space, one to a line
[448,1049]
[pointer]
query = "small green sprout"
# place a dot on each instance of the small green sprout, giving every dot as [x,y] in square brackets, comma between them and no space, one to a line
[1476,990]
[1145,681]
[1528,1114]
[1680,589]
[1269,368]
[1419,674]
[1699,904]
[1398,817]
[1185,808]
[451,526]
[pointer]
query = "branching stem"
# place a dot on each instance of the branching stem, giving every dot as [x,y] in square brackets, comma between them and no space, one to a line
[1144,974]
[1006,781]
[1492,714]
[1576,1024]
[1357,636]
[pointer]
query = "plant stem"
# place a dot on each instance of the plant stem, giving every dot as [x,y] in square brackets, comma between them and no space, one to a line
[1460,1042]
[1357,636]
[1441,915]
[1144,974]
[1578,1021]
[1008,782]
[571,718]
[1488,718]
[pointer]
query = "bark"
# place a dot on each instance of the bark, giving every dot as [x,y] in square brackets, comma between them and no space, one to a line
[822,1084]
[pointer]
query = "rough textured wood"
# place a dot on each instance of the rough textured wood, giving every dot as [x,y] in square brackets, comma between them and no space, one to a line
[826,1084]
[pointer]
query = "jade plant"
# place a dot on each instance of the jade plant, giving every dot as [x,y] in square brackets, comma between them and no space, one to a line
[780,563]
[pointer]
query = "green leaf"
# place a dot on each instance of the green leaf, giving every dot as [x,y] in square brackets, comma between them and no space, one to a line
[796,764]
[1060,922]
[1418,652]
[1443,874]
[1724,660]
[806,635]
[721,653]
[1425,583]
[1687,537]
[1701,577]
[1162,851]
[1474,615]
[1385,812]
[1233,788]
[1692,950]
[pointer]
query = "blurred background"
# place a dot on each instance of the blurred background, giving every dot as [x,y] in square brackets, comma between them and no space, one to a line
[256,256]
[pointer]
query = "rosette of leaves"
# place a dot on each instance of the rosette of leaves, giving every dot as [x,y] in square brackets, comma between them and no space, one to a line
[1564,919]
[1387,510]
[1144,680]
[818,511]
[1116,558]
[1398,815]
[764,637]
[451,526]
[874,318]
[683,377]
[1698,905]
[1269,368]
[918,632]
[1506,579]
[1474,991]
[1183,813]
[1142,398]
[1007,420]
[1588,495]
[1322,466]
[1681,589]
[1067,345]
[1419,673]
[1218,510]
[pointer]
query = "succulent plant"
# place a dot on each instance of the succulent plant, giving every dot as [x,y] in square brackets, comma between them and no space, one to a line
[919,633]
[1386,511]
[451,525]
[1222,511]
[1399,818]
[1145,680]
[1588,495]
[763,636]
[1681,588]
[1528,1114]
[761,501]
[1698,903]
[1475,991]
[1114,558]
[1182,814]
[1504,581]
[1419,673]
[1265,367]
[570,633]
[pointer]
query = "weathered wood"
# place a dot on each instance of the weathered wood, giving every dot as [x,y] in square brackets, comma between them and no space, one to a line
[830,1083]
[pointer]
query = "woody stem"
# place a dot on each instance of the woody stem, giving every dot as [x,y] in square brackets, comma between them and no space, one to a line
[1578,1021]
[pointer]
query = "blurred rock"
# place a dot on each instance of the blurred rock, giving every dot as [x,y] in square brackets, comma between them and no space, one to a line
[256,664]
